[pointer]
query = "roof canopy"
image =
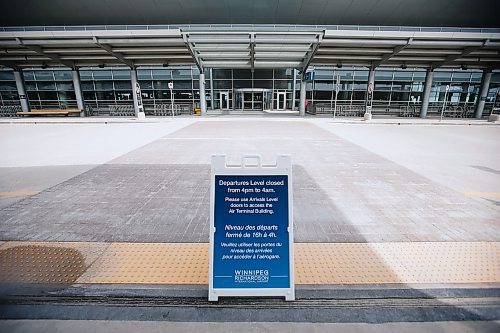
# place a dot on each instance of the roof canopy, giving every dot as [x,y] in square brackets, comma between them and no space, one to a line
[237,47]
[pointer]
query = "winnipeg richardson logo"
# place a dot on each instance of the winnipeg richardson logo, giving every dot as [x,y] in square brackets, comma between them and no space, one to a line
[251,275]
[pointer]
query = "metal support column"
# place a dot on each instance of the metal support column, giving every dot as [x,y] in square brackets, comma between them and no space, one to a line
[21,90]
[133,79]
[427,93]
[78,91]
[369,93]
[293,89]
[212,97]
[302,106]
[203,100]
[485,86]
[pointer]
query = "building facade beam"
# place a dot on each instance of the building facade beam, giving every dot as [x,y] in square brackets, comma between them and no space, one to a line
[54,57]
[309,56]
[394,52]
[109,50]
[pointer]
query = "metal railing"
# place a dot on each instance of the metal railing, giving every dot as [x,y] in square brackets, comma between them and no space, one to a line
[254,27]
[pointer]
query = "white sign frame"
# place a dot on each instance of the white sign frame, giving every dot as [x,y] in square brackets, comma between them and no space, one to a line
[251,166]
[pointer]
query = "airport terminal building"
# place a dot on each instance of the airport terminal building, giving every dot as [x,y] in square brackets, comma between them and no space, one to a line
[390,58]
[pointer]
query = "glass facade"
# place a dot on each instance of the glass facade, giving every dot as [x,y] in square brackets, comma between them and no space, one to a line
[232,88]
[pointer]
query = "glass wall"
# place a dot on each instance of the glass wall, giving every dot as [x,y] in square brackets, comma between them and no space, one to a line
[102,87]
[8,89]
[226,81]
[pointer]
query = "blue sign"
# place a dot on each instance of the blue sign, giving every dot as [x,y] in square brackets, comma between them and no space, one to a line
[251,240]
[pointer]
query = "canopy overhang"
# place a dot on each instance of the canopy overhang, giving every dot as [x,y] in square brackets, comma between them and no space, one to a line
[251,49]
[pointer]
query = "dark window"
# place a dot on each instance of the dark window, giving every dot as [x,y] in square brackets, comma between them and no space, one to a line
[360,85]
[143,74]
[120,74]
[381,75]
[7,75]
[44,85]
[44,75]
[102,74]
[242,84]
[146,84]
[86,75]
[64,86]
[10,95]
[48,95]
[263,74]
[184,84]
[87,85]
[222,84]
[30,85]
[162,74]
[104,85]
[284,73]
[89,95]
[403,75]
[442,76]
[383,86]
[283,84]
[63,75]
[242,74]
[67,95]
[8,85]
[322,95]
[263,84]
[381,96]
[28,75]
[361,75]
[358,95]
[181,74]
[323,85]
[222,74]
[33,95]
[105,95]
[123,85]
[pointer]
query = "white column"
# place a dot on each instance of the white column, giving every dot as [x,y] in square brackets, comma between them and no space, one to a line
[21,91]
[427,93]
[369,93]
[485,86]
[302,106]
[78,91]
[133,79]
[203,100]
[293,88]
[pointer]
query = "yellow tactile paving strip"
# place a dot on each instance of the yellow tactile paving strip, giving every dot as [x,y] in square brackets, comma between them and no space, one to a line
[488,195]
[18,193]
[315,263]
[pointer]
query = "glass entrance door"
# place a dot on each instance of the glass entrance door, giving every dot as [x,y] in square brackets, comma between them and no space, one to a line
[224,100]
[281,101]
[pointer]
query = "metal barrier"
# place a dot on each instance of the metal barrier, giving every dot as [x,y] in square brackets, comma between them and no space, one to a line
[163,110]
[458,111]
[9,110]
[121,111]
[409,111]
[351,111]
